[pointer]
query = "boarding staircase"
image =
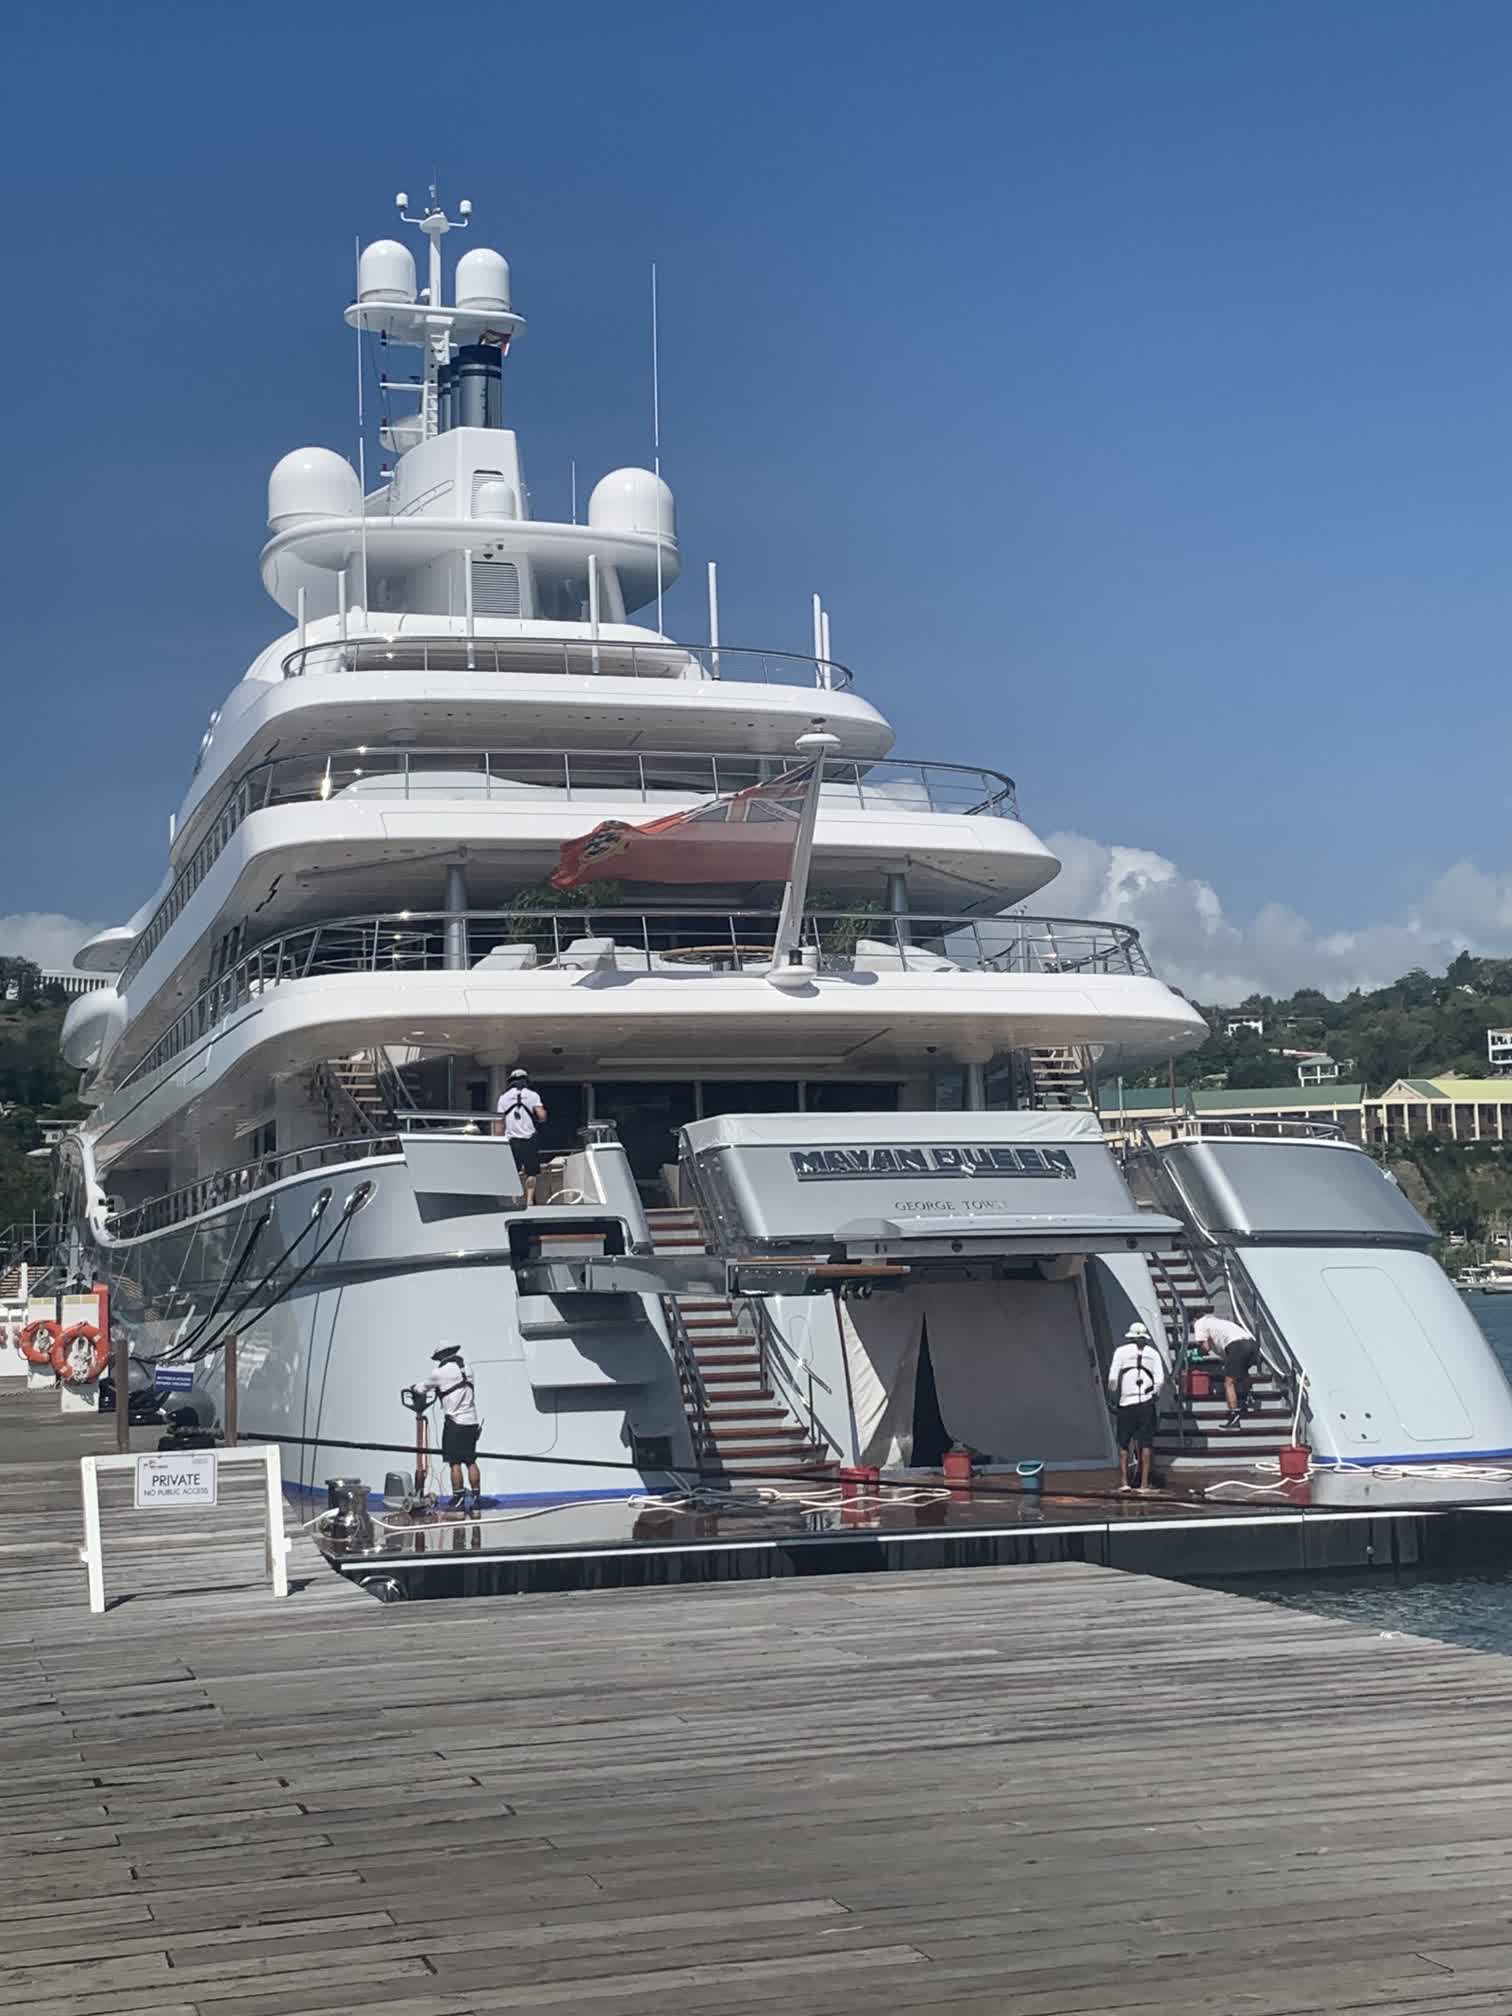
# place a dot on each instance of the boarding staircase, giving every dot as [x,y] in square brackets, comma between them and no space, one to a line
[741,1425]
[1058,1080]
[1191,1430]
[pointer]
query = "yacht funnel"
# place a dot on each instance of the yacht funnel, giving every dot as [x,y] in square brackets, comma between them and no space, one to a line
[478,386]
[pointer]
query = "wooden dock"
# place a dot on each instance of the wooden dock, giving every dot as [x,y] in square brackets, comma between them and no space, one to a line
[1020,1792]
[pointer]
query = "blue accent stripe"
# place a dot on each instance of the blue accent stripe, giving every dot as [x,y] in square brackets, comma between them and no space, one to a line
[1416,1456]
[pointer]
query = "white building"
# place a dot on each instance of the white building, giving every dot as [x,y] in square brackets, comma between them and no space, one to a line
[1499,1052]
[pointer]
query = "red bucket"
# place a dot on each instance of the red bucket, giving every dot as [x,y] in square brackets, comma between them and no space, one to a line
[856,1479]
[957,1466]
[1295,1460]
[1198,1385]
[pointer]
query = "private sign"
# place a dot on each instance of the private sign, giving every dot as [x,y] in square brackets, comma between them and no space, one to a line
[176,1480]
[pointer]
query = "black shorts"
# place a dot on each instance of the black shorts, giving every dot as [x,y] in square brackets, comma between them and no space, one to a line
[527,1156]
[459,1441]
[1241,1358]
[1136,1425]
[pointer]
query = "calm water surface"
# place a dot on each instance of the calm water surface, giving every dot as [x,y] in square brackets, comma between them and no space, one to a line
[1473,1609]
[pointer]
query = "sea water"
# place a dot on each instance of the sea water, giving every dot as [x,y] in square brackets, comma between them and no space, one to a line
[1470,1609]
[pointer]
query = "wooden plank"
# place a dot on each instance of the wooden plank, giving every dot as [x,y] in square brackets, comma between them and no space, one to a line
[1035,1792]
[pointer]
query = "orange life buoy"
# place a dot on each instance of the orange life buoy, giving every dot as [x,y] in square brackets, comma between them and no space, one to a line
[79,1354]
[38,1340]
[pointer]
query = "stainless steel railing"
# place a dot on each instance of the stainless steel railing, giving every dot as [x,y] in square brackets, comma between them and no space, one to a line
[608,778]
[731,944]
[598,658]
[233,1186]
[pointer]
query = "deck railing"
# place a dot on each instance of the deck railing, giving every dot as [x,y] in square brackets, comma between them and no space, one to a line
[583,657]
[531,778]
[729,944]
[232,1186]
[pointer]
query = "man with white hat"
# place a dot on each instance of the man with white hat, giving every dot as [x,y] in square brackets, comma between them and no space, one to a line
[521,1112]
[452,1383]
[1136,1380]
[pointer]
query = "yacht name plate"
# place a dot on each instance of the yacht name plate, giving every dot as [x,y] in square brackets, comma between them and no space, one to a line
[825,1165]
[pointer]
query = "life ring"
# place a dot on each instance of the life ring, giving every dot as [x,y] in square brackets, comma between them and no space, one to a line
[38,1341]
[79,1354]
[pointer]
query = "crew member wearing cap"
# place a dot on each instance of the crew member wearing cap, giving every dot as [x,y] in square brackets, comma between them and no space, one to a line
[1136,1379]
[452,1383]
[521,1111]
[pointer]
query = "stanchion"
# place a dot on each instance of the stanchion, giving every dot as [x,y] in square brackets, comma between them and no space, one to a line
[120,1371]
[230,1421]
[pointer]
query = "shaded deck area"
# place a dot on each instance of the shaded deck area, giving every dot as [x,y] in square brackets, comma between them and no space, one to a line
[1038,1793]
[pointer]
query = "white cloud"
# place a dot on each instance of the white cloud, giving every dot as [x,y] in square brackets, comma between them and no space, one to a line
[1193,943]
[44,936]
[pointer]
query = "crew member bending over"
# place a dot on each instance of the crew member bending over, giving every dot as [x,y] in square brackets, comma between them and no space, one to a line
[521,1111]
[1241,1359]
[1136,1379]
[452,1382]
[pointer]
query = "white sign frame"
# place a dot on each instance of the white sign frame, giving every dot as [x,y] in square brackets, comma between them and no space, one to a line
[275,1552]
[196,1463]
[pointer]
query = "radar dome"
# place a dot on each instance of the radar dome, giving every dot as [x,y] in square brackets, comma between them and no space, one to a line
[483,280]
[386,272]
[633,500]
[312,483]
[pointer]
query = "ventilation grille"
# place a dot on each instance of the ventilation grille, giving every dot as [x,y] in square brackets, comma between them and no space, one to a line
[496,588]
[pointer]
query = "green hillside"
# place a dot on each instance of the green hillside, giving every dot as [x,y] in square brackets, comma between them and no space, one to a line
[1419,1025]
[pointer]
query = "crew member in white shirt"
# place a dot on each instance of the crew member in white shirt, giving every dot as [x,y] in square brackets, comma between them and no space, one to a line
[452,1383]
[521,1112]
[1136,1379]
[1241,1357]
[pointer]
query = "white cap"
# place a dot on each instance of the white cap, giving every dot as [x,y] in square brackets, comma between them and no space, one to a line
[1138,1334]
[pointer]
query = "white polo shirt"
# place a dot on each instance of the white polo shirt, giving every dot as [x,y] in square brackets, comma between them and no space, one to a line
[1137,1373]
[517,1108]
[458,1402]
[1216,1333]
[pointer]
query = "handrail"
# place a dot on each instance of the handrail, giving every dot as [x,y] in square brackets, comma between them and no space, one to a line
[1199,1127]
[642,776]
[234,1186]
[695,1397]
[1201,1246]
[590,657]
[773,1352]
[732,944]
[599,658]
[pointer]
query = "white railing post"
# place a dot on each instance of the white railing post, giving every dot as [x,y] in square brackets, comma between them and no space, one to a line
[91,1554]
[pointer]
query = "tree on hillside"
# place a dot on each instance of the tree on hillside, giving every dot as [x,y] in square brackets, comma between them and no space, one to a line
[20,984]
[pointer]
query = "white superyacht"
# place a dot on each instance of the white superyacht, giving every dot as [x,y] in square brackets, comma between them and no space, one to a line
[866,1070]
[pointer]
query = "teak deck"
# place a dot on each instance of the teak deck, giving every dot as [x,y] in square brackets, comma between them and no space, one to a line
[1018,1792]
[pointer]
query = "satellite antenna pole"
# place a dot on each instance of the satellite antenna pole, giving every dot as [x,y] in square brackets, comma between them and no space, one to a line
[656,439]
[435,224]
[574,489]
[361,442]
[714,618]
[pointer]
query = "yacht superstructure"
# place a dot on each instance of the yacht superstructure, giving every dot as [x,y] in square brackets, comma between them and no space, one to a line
[296,1050]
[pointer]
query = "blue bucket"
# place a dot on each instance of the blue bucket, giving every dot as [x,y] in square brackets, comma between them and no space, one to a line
[1032,1475]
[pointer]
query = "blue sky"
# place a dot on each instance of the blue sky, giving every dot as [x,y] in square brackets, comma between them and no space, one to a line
[1133,380]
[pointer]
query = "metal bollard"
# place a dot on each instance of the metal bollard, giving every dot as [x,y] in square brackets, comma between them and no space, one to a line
[348,1521]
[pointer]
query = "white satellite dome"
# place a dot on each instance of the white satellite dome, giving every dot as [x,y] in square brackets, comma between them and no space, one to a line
[483,280]
[633,500]
[386,272]
[312,483]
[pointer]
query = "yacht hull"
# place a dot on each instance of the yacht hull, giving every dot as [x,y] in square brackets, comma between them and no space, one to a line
[337,1303]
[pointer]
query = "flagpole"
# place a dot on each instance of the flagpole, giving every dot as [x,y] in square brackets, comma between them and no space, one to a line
[786,972]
